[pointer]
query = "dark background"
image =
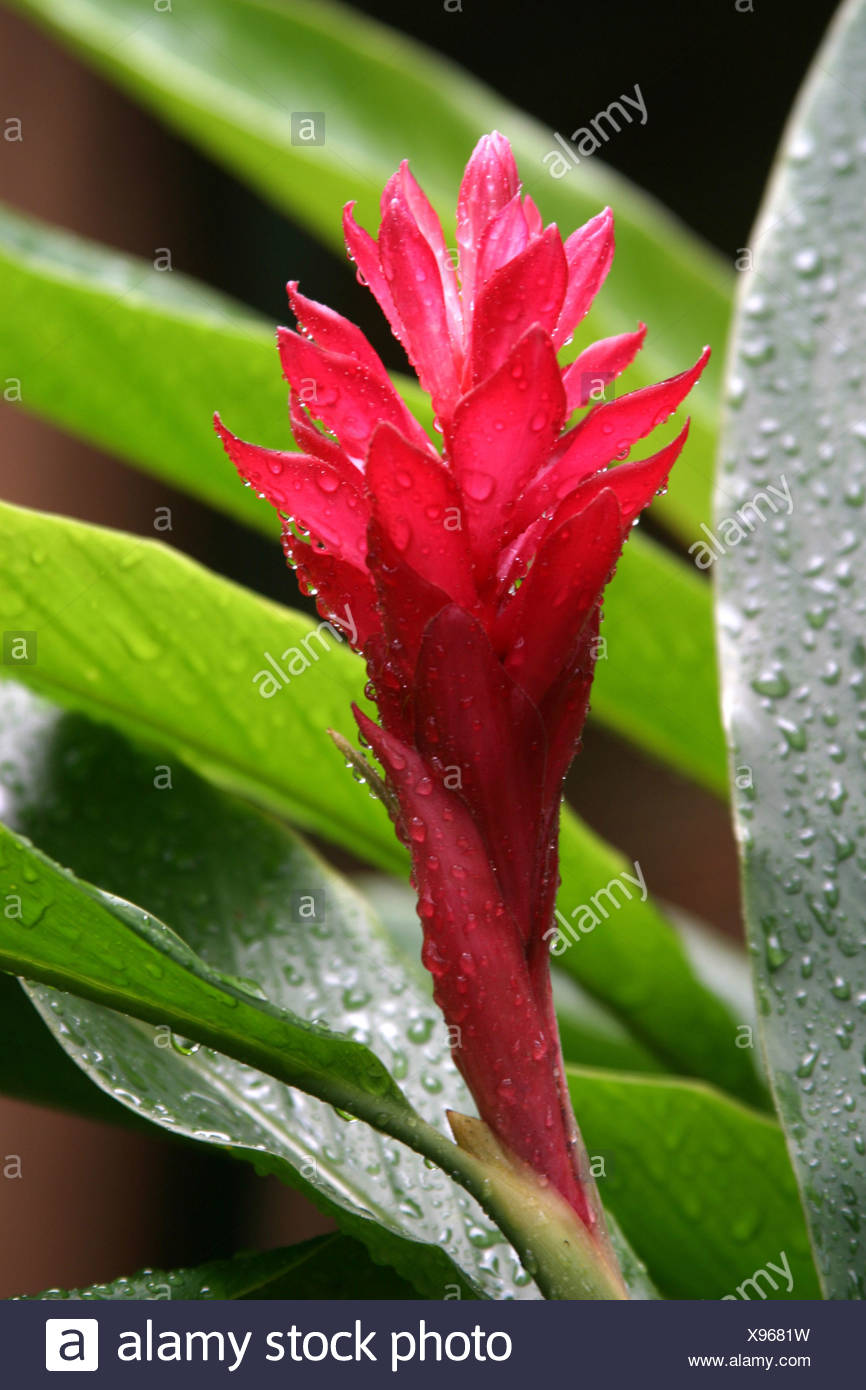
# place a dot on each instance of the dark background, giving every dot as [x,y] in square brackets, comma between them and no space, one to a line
[718,79]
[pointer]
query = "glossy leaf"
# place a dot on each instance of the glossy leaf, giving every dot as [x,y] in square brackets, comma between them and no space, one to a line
[792,598]
[126,631]
[332,1267]
[136,360]
[228,74]
[701,1186]
[259,984]
[99,338]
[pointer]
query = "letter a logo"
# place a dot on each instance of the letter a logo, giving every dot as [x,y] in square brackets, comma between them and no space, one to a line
[71,1344]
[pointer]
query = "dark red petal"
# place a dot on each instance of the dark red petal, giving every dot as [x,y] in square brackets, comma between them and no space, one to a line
[607,433]
[344,594]
[473,950]
[391,688]
[502,433]
[330,330]
[633,484]
[418,505]
[414,279]
[364,251]
[326,502]
[478,727]
[599,364]
[505,236]
[565,707]
[343,393]
[539,628]
[528,290]
[563,710]
[406,600]
[490,181]
[588,252]
[311,440]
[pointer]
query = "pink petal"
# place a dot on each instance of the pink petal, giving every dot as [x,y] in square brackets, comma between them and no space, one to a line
[325,502]
[633,484]
[364,251]
[468,710]
[343,393]
[606,433]
[414,279]
[330,330]
[418,505]
[589,252]
[428,222]
[490,181]
[502,433]
[600,364]
[534,220]
[528,290]
[505,236]
[539,629]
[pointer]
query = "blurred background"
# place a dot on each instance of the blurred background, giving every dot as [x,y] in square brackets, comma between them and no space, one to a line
[717,80]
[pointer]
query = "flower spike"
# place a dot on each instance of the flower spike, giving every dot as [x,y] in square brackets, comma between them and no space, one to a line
[474,576]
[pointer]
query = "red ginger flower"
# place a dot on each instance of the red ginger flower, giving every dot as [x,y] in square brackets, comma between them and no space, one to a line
[474,577]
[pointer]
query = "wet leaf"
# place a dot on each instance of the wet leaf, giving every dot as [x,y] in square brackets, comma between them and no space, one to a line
[125,630]
[332,1267]
[792,596]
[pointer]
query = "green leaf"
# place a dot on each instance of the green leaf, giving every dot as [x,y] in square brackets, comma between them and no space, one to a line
[332,1267]
[701,1186]
[136,361]
[792,596]
[239,886]
[125,631]
[248,976]
[229,73]
[625,953]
